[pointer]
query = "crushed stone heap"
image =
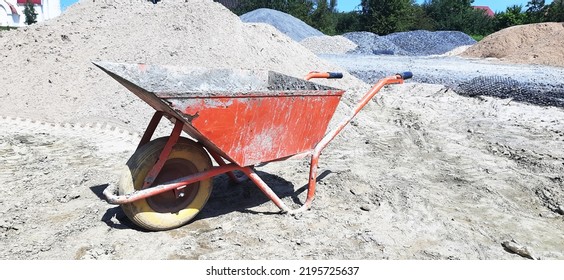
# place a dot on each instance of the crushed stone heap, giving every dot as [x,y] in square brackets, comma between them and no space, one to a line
[412,43]
[287,24]
[328,44]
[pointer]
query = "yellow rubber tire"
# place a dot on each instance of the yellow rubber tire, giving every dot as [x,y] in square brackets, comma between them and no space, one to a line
[167,210]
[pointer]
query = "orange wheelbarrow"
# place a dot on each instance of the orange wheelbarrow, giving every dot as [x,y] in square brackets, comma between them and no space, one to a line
[240,118]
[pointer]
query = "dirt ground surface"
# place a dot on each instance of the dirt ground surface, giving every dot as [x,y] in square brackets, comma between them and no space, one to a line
[411,179]
[421,173]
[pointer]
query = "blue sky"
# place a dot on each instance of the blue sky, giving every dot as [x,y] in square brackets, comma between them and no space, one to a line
[496,6]
[348,5]
[66,3]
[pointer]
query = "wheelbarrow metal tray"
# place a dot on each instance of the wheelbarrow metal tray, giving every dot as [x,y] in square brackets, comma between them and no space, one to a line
[246,116]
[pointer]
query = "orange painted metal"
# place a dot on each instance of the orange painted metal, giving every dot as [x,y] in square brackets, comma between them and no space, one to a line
[246,128]
[269,122]
[322,75]
[163,156]
[252,129]
[221,162]
[177,184]
[150,129]
[396,79]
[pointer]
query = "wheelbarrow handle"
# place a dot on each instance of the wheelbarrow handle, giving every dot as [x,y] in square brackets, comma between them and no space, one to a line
[323,75]
[395,79]
[405,75]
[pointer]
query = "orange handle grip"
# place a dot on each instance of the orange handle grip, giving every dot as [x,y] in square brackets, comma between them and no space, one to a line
[323,75]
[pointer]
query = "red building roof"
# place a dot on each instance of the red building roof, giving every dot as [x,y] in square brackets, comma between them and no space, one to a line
[486,9]
[23,2]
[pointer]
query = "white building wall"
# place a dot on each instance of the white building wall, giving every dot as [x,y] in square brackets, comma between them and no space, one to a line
[3,16]
[47,10]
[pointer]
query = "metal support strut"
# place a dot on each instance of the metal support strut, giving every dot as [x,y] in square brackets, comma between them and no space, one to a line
[230,167]
[396,79]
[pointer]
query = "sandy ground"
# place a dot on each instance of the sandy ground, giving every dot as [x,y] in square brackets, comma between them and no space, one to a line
[421,173]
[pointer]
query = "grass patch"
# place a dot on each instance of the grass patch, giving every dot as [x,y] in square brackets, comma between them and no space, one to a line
[2,28]
[478,38]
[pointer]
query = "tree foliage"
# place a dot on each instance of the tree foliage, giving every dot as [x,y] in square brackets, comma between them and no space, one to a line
[388,16]
[555,11]
[513,15]
[30,14]
[322,16]
[347,22]
[458,15]
[536,10]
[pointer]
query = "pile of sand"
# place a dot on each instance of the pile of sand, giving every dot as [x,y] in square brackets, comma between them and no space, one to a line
[541,43]
[50,75]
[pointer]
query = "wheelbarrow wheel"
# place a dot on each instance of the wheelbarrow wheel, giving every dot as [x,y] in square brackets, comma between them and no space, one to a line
[174,208]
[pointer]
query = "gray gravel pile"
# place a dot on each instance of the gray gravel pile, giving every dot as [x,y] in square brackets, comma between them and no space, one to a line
[535,84]
[422,42]
[370,43]
[413,43]
[328,44]
[285,23]
[504,87]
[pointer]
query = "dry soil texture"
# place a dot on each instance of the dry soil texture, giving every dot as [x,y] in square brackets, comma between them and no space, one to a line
[421,173]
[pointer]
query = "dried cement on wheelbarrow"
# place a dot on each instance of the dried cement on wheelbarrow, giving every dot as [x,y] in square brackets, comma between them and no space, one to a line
[421,173]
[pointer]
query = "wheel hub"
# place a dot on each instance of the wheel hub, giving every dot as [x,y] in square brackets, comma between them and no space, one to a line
[174,200]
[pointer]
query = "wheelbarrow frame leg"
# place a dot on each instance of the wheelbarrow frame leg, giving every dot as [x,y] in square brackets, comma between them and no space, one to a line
[396,79]
[163,157]
[222,162]
[155,120]
[265,188]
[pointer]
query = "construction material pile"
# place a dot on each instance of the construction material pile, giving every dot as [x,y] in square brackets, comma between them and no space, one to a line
[370,43]
[51,75]
[412,43]
[420,173]
[536,84]
[541,43]
[506,87]
[329,44]
[287,24]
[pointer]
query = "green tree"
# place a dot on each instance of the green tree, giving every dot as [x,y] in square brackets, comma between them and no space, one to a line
[300,9]
[478,23]
[555,11]
[449,14]
[386,16]
[323,16]
[347,22]
[30,14]
[536,10]
[421,20]
[513,15]
[458,15]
